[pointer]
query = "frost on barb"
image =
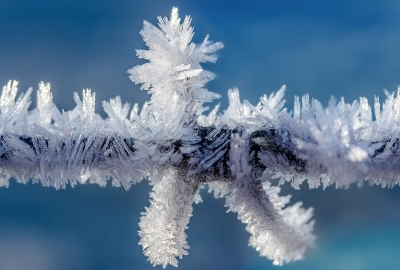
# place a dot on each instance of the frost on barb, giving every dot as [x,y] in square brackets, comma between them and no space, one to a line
[175,79]
[278,233]
[173,75]
[162,226]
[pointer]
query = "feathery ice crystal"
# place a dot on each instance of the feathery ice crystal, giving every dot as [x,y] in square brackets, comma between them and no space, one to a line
[179,150]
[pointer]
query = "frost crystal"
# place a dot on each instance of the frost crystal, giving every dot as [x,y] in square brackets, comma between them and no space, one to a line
[179,150]
[173,74]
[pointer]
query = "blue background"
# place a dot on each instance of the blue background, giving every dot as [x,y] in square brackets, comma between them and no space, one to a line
[341,48]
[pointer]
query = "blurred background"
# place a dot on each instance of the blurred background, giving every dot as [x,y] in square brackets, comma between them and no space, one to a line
[341,48]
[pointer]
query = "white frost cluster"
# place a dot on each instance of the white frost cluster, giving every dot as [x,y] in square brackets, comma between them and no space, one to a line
[278,233]
[173,75]
[179,149]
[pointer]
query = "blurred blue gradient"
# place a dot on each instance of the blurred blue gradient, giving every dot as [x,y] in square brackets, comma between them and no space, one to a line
[341,48]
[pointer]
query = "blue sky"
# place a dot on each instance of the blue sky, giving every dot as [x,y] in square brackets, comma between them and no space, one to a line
[341,48]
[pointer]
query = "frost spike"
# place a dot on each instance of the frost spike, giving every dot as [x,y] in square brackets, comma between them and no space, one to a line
[89,100]
[44,103]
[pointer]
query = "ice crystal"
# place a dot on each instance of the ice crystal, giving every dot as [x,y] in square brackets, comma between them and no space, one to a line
[180,150]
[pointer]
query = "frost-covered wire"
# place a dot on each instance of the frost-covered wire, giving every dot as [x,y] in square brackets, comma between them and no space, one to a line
[179,149]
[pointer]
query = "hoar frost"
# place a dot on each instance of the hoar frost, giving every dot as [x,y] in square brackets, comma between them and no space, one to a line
[179,149]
